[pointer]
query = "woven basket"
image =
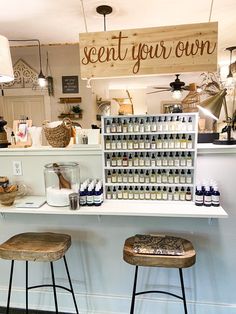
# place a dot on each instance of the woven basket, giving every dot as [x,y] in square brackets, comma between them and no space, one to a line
[60,135]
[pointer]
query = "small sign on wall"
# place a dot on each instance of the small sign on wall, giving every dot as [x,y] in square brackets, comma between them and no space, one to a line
[70,84]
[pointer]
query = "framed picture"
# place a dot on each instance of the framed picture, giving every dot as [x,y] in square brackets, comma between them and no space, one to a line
[70,84]
[171,106]
[20,129]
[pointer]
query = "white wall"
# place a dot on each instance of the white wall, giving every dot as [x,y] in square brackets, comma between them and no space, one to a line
[102,280]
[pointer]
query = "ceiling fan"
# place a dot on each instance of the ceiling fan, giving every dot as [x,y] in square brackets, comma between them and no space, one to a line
[176,87]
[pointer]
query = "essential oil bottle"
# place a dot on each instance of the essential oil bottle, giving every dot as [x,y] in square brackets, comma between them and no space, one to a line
[198,196]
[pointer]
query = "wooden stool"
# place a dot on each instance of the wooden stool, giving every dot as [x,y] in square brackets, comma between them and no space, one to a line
[37,247]
[183,261]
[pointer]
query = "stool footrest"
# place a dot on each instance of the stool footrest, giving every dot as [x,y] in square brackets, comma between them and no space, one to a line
[160,291]
[49,285]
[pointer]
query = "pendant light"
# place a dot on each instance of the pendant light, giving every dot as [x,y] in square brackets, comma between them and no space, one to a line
[104,10]
[6,69]
[230,79]
[41,77]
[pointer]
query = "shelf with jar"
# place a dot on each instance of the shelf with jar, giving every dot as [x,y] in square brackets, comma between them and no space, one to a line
[72,109]
[150,157]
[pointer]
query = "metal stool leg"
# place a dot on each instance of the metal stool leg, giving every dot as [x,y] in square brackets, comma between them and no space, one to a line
[183,290]
[54,288]
[134,290]
[71,287]
[26,287]
[10,285]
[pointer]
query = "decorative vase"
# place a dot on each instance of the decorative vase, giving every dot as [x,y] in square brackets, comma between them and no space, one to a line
[36,135]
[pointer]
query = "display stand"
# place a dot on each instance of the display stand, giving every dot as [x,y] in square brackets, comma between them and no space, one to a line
[150,157]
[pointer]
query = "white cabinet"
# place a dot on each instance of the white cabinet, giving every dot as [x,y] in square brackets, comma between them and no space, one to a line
[150,157]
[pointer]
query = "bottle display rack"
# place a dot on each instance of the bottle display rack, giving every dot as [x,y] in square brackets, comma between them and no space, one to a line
[149,157]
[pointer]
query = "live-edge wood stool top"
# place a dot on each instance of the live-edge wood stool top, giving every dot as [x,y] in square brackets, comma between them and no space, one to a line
[35,246]
[169,261]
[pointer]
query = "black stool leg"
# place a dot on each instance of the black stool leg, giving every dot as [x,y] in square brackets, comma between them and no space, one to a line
[9,289]
[183,291]
[26,287]
[134,290]
[54,288]
[71,287]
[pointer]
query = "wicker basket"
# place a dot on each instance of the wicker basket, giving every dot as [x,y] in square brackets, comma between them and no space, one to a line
[60,135]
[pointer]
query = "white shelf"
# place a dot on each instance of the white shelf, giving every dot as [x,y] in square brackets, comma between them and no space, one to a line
[149,133]
[150,184]
[148,167]
[128,208]
[157,150]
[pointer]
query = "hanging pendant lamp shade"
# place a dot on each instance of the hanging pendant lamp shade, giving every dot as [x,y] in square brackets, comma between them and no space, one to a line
[212,105]
[6,69]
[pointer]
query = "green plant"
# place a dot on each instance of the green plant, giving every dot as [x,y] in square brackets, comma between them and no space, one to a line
[77,109]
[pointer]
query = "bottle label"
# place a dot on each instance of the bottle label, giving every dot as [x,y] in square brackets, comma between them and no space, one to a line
[141,145]
[124,145]
[141,162]
[131,196]
[189,162]
[125,195]
[136,196]
[215,199]
[153,196]
[113,163]
[207,199]
[164,196]
[119,162]
[176,196]
[125,162]
[125,129]
[147,196]
[118,129]
[118,145]
[108,146]
[136,128]
[82,200]
[113,145]
[188,197]
[90,199]
[109,196]
[141,196]
[108,129]
[97,199]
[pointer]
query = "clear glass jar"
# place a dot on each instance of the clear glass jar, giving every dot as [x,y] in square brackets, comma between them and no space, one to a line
[61,179]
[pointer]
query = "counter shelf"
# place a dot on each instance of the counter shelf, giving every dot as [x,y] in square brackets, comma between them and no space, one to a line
[181,209]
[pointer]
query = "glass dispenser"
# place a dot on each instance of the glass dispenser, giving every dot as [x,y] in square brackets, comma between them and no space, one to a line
[61,179]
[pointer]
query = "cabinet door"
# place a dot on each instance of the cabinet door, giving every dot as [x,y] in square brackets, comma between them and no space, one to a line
[13,107]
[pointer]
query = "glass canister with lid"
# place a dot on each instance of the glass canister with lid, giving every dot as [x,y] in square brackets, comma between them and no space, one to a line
[61,179]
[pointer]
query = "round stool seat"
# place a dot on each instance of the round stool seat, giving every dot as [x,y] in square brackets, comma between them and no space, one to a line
[170,261]
[35,246]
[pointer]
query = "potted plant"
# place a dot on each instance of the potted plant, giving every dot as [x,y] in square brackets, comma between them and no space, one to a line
[77,111]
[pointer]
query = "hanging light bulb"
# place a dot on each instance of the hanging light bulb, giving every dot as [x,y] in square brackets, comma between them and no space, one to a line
[42,79]
[177,86]
[230,79]
[177,94]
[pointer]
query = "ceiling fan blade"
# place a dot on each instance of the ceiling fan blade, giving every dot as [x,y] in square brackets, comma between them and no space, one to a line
[159,91]
[161,87]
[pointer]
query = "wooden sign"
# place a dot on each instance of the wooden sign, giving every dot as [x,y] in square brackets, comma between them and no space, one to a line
[149,51]
[70,84]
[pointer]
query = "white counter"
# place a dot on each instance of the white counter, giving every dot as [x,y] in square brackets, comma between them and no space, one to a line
[97,150]
[127,208]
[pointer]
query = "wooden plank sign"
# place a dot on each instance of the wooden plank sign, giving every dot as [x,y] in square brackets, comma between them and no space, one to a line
[149,51]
